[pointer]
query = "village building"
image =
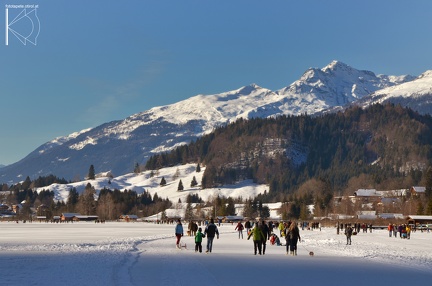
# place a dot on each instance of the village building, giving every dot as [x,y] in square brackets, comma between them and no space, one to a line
[420,220]
[128,218]
[417,191]
[65,217]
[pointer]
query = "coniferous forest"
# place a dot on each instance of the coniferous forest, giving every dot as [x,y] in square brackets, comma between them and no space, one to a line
[387,147]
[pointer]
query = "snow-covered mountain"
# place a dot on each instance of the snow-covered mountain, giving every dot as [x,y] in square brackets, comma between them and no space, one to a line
[415,94]
[118,145]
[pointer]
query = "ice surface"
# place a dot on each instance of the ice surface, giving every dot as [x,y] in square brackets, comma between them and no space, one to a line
[120,253]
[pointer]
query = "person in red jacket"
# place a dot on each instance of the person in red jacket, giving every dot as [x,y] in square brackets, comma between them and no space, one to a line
[239,227]
[390,229]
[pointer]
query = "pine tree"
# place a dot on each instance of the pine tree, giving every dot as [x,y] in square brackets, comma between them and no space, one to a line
[86,202]
[91,174]
[162,182]
[248,210]
[72,200]
[26,184]
[180,186]
[198,168]
[194,182]
[265,212]
[428,190]
[189,213]
[164,215]
[137,169]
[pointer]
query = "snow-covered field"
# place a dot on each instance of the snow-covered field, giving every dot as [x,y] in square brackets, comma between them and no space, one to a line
[119,253]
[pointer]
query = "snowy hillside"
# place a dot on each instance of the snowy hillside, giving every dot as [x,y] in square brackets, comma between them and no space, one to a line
[118,145]
[416,94]
[173,175]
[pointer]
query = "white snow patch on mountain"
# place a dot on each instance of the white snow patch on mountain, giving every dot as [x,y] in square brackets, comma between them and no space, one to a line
[416,88]
[82,144]
[61,140]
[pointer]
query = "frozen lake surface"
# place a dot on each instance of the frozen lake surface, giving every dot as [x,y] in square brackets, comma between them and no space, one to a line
[120,253]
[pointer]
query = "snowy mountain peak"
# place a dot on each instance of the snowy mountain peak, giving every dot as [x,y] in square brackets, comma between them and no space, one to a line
[336,65]
[118,145]
[248,89]
[415,94]
[426,74]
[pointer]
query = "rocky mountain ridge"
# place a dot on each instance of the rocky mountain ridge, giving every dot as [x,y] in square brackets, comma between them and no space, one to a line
[118,145]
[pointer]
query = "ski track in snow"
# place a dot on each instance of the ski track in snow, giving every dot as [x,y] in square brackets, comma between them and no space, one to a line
[172,261]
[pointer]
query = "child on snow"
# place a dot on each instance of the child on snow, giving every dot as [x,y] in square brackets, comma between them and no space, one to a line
[274,239]
[198,239]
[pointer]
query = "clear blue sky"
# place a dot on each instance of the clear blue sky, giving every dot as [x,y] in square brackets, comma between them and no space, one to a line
[98,61]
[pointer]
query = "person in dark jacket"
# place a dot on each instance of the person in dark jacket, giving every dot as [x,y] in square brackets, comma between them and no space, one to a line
[292,236]
[194,228]
[266,231]
[348,233]
[258,237]
[211,231]
[248,227]
[178,232]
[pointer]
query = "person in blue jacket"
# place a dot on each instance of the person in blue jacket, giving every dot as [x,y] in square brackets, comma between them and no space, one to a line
[178,232]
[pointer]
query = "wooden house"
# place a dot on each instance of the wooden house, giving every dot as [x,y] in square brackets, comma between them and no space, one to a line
[417,191]
[128,218]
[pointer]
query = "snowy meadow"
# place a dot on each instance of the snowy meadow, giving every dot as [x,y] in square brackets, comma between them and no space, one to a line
[138,253]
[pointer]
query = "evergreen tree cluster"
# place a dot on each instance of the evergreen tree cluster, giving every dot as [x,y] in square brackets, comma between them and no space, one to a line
[387,143]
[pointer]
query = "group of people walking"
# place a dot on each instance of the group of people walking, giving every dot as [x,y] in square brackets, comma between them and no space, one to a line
[211,231]
[260,232]
[403,229]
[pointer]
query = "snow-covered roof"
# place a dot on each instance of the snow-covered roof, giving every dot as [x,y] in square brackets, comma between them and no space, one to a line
[86,216]
[234,217]
[393,193]
[391,215]
[421,217]
[366,216]
[132,216]
[366,213]
[70,214]
[418,189]
[366,193]
[387,201]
